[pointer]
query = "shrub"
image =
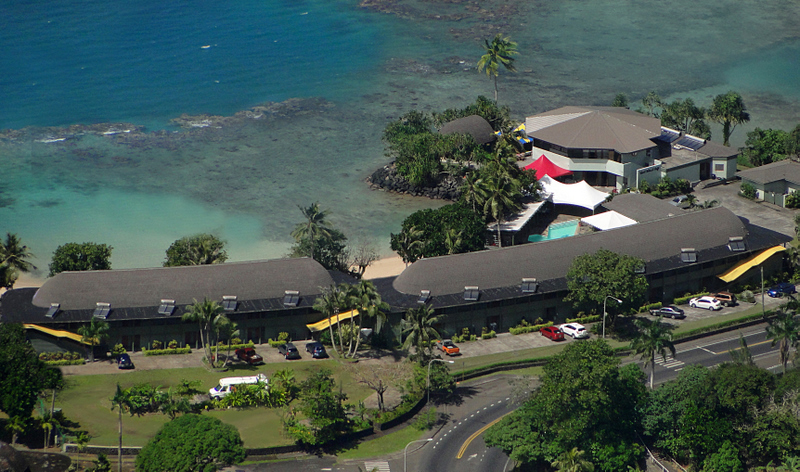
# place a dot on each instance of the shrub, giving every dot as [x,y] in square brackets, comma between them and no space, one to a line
[172,344]
[163,352]
[43,356]
[426,420]
[488,335]
[156,344]
[747,191]
[685,299]
[747,296]
[519,329]
[792,200]
[584,319]
[651,306]
[238,341]
[118,349]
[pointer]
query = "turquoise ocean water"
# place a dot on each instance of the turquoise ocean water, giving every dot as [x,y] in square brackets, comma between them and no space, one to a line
[332,73]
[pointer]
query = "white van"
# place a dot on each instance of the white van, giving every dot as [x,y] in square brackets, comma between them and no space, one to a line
[227,384]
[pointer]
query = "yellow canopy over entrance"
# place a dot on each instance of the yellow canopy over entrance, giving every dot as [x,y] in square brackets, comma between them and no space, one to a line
[739,270]
[56,333]
[324,324]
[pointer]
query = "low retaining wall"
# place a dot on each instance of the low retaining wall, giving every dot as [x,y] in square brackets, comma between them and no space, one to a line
[402,418]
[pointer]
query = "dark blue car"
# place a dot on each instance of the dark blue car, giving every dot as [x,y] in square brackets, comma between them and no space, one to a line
[124,362]
[781,289]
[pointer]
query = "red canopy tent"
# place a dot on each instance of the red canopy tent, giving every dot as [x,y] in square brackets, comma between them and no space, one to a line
[544,166]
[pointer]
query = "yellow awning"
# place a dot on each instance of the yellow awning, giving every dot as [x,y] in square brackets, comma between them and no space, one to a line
[738,270]
[56,333]
[320,325]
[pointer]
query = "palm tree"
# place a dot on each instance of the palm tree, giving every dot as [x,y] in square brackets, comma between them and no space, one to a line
[573,461]
[785,331]
[17,425]
[501,197]
[453,240]
[654,338]
[651,101]
[204,313]
[331,303]
[121,401]
[728,110]
[225,329]
[207,250]
[410,244]
[472,191]
[314,227]
[93,334]
[365,298]
[418,327]
[48,422]
[498,52]
[82,439]
[13,258]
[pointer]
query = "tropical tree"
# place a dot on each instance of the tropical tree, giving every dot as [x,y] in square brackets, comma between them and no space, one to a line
[314,228]
[728,110]
[121,401]
[82,439]
[764,146]
[365,298]
[200,249]
[204,313]
[654,338]
[651,102]
[93,334]
[408,244]
[13,259]
[47,422]
[793,144]
[620,101]
[685,116]
[225,329]
[332,302]
[573,461]
[784,330]
[498,52]
[473,191]
[419,331]
[502,196]
[452,239]
[80,257]
[17,425]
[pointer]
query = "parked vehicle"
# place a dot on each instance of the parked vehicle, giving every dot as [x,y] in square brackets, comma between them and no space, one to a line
[289,351]
[124,361]
[317,350]
[553,333]
[576,330]
[228,384]
[726,298]
[249,355]
[783,288]
[448,347]
[681,201]
[668,311]
[706,302]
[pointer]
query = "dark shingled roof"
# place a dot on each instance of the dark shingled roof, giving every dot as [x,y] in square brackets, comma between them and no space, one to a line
[473,125]
[713,149]
[782,170]
[642,207]
[136,288]
[658,243]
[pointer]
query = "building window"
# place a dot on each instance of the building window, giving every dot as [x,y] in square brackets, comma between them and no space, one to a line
[166,307]
[688,255]
[719,167]
[229,302]
[529,286]
[471,294]
[736,244]
[648,153]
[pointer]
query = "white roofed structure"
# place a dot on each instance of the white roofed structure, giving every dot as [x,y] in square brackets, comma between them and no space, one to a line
[608,220]
[579,194]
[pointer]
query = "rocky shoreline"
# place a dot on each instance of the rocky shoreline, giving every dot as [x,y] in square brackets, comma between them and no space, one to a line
[387,179]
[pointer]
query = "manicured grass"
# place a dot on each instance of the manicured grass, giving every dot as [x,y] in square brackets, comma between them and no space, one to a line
[86,400]
[387,444]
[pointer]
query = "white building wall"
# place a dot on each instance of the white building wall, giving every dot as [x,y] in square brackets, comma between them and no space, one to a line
[690,173]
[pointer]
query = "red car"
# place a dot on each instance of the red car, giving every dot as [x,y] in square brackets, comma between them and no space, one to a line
[552,332]
[249,355]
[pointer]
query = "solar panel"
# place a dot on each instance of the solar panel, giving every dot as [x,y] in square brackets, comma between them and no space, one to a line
[471,294]
[229,303]
[51,313]
[166,307]
[690,142]
[736,244]
[669,135]
[688,255]
[291,298]
[102,311]
[529,286]
[424,296]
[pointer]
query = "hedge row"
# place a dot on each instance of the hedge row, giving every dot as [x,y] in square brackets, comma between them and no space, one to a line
[724,324]
[166,352]
[235,346]
[685,300]
[652,306]
[529,329]
[584,319]
[63,362]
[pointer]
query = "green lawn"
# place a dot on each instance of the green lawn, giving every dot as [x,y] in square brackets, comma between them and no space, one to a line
[386,444]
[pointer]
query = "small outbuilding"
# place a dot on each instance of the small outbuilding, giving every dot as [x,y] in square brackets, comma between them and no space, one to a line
[473,125]
[773,182]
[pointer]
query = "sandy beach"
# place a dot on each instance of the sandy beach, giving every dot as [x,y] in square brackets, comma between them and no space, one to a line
[385,267]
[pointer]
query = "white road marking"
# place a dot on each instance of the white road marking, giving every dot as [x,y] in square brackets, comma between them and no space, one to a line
[381,466]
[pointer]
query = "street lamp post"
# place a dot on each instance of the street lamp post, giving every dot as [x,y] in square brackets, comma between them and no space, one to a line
[405,451]
[428,381]
[606,314]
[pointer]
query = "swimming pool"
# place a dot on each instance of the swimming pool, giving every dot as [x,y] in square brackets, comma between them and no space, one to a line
[556,231]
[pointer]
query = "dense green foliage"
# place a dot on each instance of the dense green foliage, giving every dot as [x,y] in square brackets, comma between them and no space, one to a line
[593,277]
[431,227]
[317,239]
[728,110]
[322,406]
[764,146]
[13,260]
[666,187]
[22,375]
[191,443]
[684,115]
[419,332]
[585,401]
[199,249]
[620,101]
[81,256]
[747,191]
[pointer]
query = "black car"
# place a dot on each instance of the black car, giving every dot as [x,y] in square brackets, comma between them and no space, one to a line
[669,311]
[124,362]
[289,351]
[317,350]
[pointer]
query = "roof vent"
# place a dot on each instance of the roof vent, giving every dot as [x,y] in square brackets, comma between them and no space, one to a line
[53,311]
[229,303]
[529,285]
[471,293]
[688,255]
[102,310]
[424,297]
[736,244]
[166,307]
[291,298]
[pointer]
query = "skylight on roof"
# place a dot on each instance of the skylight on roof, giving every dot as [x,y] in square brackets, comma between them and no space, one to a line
[690,142]
[291,298]
[424,296]
[166,307]
[471,293]
[736,244]
[229,303]
[53,311]
[688,255]
[102,310]
[669,135]
[529,286]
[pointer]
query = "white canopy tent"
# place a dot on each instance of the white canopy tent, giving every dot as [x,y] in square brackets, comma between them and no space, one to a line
[608,220]
[578,194]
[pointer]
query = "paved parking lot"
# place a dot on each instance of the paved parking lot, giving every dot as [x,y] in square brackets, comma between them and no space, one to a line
[758,213]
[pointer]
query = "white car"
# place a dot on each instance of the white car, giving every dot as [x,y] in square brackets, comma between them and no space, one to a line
[576,330]
[709,303]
